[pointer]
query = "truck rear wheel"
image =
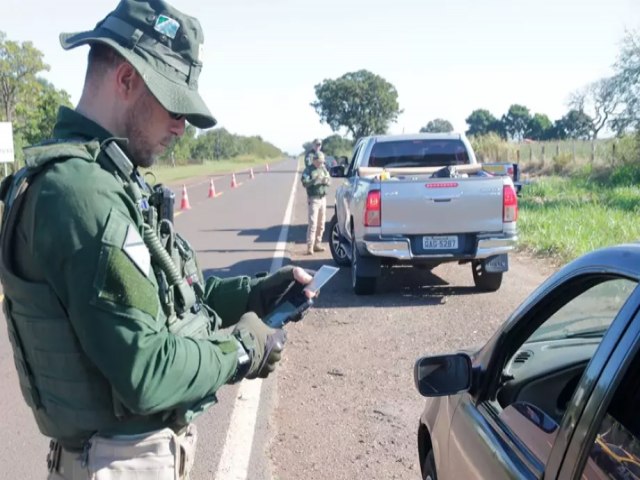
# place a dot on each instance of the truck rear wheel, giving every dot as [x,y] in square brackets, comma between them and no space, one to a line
[361,285]
[488,282]
[429,467]
[336,245]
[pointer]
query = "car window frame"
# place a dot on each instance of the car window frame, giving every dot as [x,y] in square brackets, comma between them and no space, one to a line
[521,325]
[354,159]
[532,314]
[625,352]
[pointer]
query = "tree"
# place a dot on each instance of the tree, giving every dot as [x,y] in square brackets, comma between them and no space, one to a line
[480,122]
[37,110]
[516,121]
[19,65]
[438,125]
[627,84]
[361,102]
[574,125]
[602,98]
[540,127]
[337,146]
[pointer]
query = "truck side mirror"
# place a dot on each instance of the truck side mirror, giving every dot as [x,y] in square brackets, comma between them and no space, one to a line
[338,171]
[443,375]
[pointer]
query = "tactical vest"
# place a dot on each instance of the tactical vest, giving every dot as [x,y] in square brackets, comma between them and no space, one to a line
[314,190]
[70,399]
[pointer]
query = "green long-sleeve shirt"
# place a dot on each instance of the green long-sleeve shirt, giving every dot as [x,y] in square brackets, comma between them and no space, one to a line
[71,236]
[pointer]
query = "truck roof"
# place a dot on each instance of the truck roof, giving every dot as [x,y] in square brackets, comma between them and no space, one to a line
[416,136]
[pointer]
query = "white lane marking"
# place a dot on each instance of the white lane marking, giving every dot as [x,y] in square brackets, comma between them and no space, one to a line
[234,462]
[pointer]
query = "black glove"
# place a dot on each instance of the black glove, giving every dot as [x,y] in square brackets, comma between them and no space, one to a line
[268,292]
[263,344]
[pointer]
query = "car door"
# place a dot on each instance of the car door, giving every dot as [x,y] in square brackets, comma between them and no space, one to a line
[544,362]
[344,192]
[606,440]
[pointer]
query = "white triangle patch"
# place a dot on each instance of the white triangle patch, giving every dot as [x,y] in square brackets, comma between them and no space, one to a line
[136,250]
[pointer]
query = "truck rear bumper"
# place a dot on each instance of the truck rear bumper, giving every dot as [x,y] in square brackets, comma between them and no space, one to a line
[401,248]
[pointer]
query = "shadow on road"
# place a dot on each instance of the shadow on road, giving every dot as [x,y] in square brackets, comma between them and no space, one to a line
[397,287]
[297,233]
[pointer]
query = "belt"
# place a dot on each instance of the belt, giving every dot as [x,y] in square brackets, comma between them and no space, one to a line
[69,464]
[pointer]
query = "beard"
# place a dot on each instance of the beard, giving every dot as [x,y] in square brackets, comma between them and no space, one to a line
[141,148]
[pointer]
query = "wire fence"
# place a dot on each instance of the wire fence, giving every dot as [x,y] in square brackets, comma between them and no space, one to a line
[609,153]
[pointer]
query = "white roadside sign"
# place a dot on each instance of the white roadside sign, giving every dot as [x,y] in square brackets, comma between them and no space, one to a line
[6,143]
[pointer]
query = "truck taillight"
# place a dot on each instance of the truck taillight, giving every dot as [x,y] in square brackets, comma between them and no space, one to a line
[372,210]
[509,204]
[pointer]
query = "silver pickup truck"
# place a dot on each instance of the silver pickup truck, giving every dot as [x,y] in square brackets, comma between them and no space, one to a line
[421,200]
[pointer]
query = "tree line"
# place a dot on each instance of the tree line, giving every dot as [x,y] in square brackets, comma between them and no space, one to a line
[31,104]
[362,103]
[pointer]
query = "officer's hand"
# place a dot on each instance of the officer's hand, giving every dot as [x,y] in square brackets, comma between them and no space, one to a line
[268,291]
[263,343]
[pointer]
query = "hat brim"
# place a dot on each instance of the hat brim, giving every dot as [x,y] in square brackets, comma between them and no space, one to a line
[176,97]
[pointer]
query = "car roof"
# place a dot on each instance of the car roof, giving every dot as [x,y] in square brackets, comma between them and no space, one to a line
[623,259]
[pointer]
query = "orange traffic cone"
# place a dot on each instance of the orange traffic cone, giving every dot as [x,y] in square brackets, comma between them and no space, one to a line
[184,204]
[234,184]
[251,173]
[212,189]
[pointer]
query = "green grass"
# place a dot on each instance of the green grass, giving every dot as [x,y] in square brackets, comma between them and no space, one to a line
[167,174]
[565,218]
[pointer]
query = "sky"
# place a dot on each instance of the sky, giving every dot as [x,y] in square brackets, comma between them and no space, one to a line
[446,58]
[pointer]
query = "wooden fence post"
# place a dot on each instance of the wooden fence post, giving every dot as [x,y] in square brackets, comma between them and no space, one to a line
[613,153]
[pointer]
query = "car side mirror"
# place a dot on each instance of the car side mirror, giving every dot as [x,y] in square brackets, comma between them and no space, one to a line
[338,171]
[443,375]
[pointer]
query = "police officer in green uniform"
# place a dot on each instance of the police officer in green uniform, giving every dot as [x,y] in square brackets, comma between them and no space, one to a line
[316,180]
[116,335]
[316,146]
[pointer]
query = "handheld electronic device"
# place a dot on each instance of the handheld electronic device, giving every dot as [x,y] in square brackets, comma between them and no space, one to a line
[294,303]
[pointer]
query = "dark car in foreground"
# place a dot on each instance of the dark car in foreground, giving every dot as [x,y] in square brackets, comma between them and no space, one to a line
[554,394]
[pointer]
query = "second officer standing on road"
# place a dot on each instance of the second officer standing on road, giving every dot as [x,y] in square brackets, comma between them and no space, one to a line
[316,180]
[115,332]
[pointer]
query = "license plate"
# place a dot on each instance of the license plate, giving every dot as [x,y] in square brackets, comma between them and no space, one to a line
[440,243]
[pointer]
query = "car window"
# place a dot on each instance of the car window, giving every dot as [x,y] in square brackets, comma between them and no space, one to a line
[588,315]
[543,374]
[615,452]
[352,162]
[419,153]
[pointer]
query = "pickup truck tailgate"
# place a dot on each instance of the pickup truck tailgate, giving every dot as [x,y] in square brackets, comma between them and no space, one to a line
[440,206]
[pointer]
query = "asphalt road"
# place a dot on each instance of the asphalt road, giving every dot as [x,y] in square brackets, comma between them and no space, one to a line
[342,404]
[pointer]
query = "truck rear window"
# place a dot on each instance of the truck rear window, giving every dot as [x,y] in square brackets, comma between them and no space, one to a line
[419,153]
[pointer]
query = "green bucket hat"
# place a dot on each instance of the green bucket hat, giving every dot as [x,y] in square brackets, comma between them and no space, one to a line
[163,45]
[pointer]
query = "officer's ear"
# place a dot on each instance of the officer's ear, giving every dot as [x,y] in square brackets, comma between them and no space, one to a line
[128,82]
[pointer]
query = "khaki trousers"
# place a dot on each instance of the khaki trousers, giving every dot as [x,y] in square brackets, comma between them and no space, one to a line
[160,455]
[317,209]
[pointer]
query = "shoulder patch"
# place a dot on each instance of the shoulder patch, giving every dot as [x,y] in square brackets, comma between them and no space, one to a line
[136,250]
